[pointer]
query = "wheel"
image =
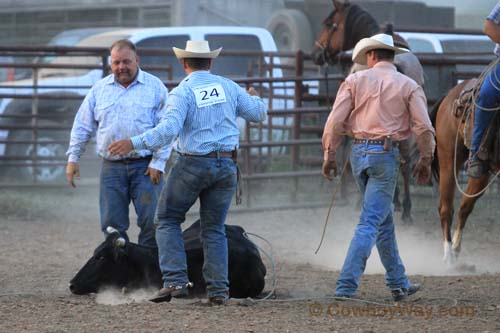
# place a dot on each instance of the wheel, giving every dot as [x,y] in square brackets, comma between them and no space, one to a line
[291,30]
[50,144]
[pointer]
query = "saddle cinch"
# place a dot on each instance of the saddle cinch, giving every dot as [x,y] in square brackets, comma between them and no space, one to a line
[463,108]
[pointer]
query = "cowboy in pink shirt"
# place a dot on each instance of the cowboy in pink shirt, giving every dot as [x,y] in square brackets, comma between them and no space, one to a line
[378,107]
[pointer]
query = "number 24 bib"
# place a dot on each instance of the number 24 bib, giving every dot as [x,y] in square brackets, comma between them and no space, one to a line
[209,95]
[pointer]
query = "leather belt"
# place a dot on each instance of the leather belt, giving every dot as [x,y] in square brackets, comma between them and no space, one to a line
[131,160]
[217,154]
[369,141]
[373,142]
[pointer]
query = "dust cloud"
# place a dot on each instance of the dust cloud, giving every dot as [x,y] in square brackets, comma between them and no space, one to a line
[114,296]
[295,236]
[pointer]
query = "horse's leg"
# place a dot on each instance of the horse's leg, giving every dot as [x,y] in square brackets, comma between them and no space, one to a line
[446,194]
[474,185]
[395,201]
[406,173]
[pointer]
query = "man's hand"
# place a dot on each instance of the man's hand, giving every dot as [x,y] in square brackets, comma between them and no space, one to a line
[72,170]
[154,175]
[328,166]
[252,91]
[422,171]
[121,147]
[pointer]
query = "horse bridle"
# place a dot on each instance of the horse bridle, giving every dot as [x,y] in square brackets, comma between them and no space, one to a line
[324,48]
[326,56]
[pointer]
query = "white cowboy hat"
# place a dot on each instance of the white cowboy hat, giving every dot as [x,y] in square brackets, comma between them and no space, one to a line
[380,41]
[196,49]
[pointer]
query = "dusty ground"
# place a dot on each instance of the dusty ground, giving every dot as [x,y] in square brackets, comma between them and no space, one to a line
[46,236]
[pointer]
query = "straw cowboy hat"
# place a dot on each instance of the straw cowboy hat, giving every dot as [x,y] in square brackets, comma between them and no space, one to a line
[380,41]
[196,49]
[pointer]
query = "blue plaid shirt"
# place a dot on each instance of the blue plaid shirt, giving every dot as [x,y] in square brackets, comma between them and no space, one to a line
[114,112]
[495,18]
[202,112]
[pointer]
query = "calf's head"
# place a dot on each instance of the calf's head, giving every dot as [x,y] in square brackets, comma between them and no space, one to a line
[103,268]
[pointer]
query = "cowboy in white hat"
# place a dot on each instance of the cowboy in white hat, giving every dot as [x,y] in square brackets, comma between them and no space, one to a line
[201,114]
[196,56]
[196,49]
[378,107]
[377,42]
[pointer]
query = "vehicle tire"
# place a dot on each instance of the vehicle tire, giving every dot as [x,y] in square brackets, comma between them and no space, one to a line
[51,143]
[291,30]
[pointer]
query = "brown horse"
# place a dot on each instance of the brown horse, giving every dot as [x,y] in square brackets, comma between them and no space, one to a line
[342,29]
[450,158]
[346,25]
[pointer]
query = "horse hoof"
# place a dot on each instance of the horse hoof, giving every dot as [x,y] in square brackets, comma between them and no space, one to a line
[450,261]
[407,219]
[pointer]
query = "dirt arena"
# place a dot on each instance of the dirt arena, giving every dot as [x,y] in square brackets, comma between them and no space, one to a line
[47,235]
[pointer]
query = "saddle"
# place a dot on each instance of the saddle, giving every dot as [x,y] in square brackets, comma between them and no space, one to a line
[463,109]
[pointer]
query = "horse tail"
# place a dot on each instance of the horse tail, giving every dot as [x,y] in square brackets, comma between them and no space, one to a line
[435,167]
[434,110]
[433,115]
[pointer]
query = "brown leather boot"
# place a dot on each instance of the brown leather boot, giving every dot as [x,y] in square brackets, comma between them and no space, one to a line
[166,293]
[476,167]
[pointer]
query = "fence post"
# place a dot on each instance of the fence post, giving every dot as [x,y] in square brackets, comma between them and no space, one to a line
[105,70]
[297,101]
[34,125]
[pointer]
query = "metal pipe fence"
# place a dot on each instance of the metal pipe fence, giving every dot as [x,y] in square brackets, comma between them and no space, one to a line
[36,115]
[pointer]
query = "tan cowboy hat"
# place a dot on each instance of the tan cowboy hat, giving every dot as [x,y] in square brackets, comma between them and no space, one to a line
[380,41]
[196,49]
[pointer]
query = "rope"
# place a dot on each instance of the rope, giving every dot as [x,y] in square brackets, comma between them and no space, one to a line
[336,189]
[342,299]
[270,257]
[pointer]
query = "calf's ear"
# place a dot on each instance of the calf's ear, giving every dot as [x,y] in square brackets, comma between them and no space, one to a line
[120,242]
[110,230]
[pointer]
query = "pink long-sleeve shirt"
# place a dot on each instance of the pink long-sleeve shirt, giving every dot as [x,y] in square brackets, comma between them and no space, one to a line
[373,104]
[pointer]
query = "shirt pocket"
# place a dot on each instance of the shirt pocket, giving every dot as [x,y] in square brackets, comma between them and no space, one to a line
[144,112]
[104,112]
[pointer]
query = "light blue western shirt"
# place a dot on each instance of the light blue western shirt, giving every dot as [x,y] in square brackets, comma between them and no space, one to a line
[494,16]
[114,112]
[201,112]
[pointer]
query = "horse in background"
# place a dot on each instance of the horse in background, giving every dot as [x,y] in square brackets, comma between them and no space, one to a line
[453,130]
[346,25]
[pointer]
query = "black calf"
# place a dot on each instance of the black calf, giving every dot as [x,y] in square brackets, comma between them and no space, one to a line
[121,264]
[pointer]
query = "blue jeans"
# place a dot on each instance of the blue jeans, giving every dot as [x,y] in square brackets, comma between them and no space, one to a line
[375,172]
[120,183]
[489,97]
[213,181]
